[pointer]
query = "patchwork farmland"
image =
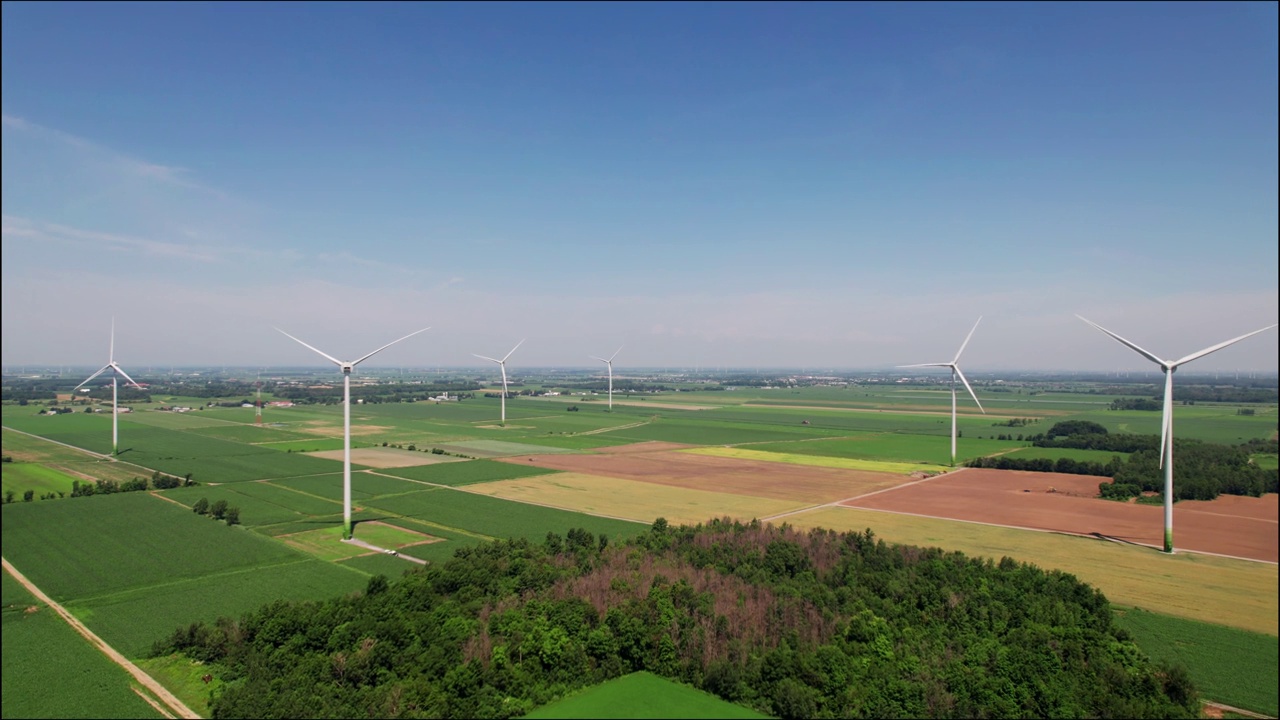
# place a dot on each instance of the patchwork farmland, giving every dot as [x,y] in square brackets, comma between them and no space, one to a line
[430,479]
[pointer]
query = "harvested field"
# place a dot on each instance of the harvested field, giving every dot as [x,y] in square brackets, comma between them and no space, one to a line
[614,497]
[386,457]
[1224,591]
[780,481]
[1238,527]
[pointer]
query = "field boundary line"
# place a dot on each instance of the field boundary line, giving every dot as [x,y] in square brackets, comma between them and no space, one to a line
[616,427]
[138,674]
[151,701]
[1231,708]
[65,445]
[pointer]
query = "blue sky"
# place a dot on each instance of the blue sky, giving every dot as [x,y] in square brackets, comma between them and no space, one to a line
[838,185]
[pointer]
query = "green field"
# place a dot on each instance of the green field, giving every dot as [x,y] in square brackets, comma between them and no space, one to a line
[90,546]
[136,566]
[643,695]
[21,477]
[50,671]
[1230,666]
[132,620]
[493,517]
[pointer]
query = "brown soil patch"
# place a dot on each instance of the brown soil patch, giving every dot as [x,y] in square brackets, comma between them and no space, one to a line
[650,446]
[386,457]
[779,481]
[1233,526]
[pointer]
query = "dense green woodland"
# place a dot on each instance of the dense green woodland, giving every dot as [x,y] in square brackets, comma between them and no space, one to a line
[814,624]
[1204,470]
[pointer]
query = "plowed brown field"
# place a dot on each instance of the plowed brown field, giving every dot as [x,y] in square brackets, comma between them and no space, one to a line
[1235,526]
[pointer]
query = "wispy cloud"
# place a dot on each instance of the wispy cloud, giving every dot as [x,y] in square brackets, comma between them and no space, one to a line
[19,230]
[167,174]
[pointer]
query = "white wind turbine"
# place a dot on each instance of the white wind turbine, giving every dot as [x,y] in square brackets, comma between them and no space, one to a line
[955,370]
[609,362]
[503,365]
[116,372]
[1168,367]
[346,368]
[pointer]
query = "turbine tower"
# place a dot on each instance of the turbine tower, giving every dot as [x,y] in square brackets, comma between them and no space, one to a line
[116,372]
[1168,367]
[503,365]
[609,362]
[955,370]
[346,368]
[257,417]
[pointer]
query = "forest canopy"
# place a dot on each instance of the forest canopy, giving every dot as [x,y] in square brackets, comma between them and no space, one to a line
[795,624]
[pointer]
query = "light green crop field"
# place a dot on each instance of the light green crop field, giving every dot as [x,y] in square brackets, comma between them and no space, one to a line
[20,477]
[1267,462]
[50,671]
[642,695]
[894,447]
[37,452]
[1230,666]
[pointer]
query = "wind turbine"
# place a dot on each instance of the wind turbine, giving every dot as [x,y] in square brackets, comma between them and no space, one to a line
[346,368]
[609,362]
[503,365]
[1168,367]
[116,372]
[955,370]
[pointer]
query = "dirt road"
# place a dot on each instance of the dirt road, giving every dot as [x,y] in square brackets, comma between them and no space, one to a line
[143,679]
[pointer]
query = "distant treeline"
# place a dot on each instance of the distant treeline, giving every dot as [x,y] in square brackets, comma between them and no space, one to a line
[1204,470]
[383,393]
[619,386]
[793,624]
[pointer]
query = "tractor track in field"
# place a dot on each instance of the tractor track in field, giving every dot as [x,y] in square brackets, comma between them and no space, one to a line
[150,683]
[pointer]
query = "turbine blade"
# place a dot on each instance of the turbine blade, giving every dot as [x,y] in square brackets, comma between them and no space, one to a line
[966,341]
[926,365]
[1166,417]
[615,353]
[120,370]
[1219,346]
[593,357]
[1128,344]
[485,357]
[329,357]
[111,354]
[91,377]
[967,387]
[384,347]
[504,357]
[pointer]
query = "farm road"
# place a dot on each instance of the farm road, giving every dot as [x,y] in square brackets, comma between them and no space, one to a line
[144,679]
